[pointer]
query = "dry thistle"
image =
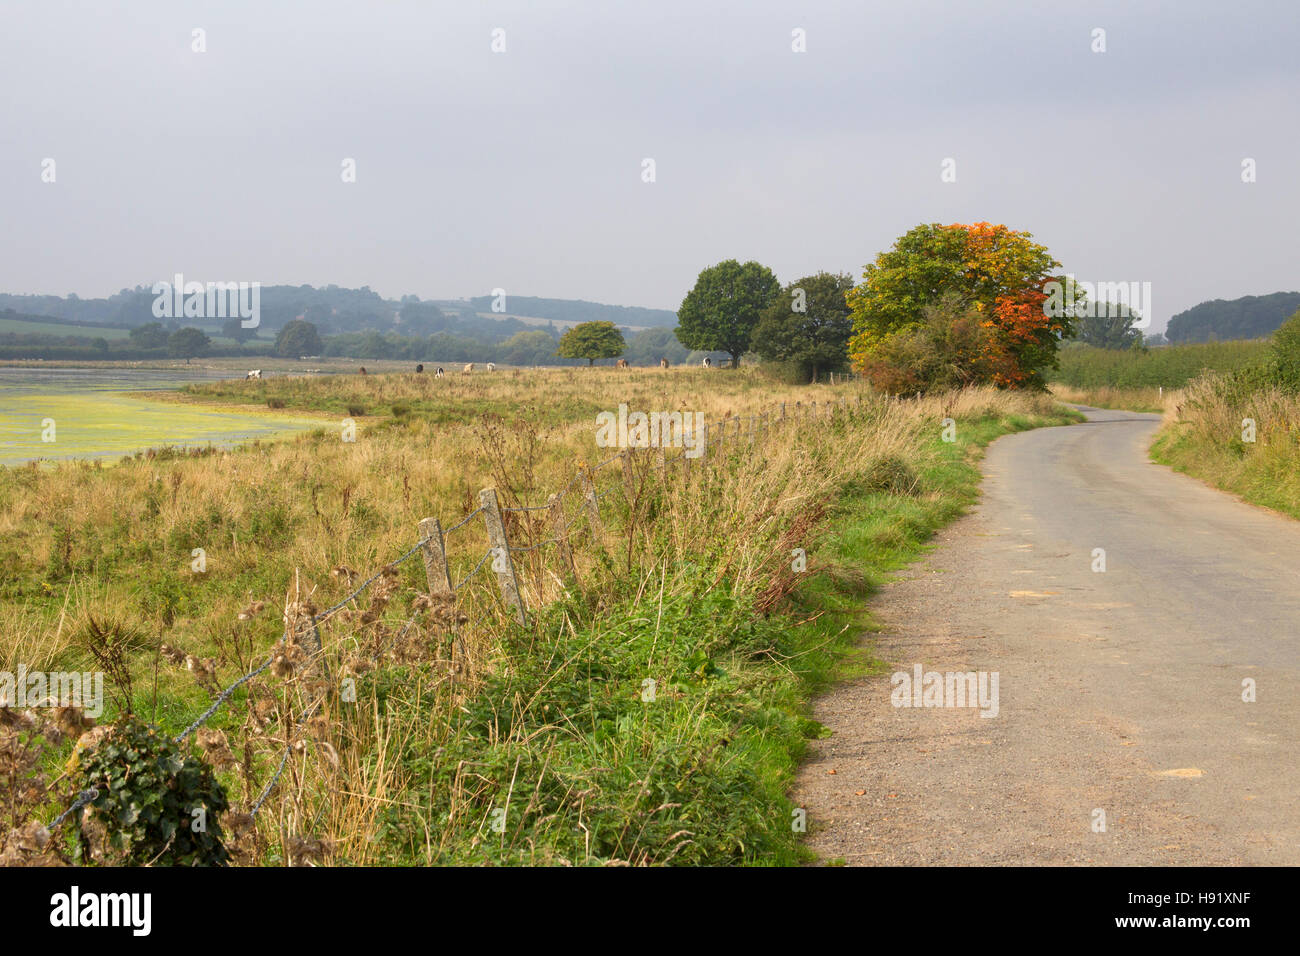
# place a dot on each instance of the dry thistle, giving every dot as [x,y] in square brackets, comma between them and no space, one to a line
[172,655]
[252,609]
[215,747]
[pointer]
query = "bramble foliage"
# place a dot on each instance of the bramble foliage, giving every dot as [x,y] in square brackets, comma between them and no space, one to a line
[155,803]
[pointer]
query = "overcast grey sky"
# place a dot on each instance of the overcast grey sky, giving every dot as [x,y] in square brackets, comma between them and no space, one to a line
[523,169]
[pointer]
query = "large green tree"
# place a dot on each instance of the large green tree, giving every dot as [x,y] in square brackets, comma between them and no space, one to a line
[591,341]
[722,311]
[808,325]
[297,339]
[187,343]
[998,272]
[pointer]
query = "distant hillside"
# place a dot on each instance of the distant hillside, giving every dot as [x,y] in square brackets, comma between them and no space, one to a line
[573,311]
[338,310]
[1250,317]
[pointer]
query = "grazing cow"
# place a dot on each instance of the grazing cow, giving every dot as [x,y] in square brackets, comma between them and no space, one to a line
[663,363]
[419,369]
[708,362]
[363,370]
[439,373]
[492,366]
[255,373]
[467,369]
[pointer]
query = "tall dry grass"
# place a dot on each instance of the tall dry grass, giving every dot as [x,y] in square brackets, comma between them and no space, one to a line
[1208,435]
[297,524]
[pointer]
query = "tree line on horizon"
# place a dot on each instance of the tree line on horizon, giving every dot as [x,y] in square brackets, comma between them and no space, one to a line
[946,305]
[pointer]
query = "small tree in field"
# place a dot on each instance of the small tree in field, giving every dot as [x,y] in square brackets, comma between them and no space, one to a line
[591,340]
[187,343]
[298,338]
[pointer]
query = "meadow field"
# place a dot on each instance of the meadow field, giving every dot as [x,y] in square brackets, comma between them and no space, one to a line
[26,326]
[1169,366]
[651,707]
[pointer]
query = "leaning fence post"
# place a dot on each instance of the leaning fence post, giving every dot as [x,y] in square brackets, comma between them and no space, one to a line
[593,506]
[434,550]
[436,573]
[629,473]
[555,503]
[501,561]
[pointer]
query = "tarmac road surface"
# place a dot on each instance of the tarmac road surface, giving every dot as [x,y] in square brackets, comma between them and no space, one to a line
[1120,692]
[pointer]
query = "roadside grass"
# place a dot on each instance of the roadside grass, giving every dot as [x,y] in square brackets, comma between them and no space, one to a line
[1207,441]
[701,773]
[1122,399]
[498,743]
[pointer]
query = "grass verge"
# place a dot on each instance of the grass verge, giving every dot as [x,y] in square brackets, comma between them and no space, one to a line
[653,709]
[1246,442]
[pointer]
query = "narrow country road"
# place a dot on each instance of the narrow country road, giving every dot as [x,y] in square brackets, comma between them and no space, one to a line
[1119,692]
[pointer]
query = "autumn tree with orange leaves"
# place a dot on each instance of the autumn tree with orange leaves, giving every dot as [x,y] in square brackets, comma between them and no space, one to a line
[955,305]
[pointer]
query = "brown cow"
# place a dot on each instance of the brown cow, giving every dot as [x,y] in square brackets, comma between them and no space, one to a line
[467,369]
[621,363]
[663,363]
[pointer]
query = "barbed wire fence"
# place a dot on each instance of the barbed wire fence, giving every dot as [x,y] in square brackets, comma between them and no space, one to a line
[714,443]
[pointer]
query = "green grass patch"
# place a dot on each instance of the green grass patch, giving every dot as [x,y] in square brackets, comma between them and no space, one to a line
[571,763]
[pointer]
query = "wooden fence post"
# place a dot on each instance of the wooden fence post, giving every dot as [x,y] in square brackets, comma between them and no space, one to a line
[555,504]
[629,473]
[434,550]
[783,411]
[593,507]
[501,560]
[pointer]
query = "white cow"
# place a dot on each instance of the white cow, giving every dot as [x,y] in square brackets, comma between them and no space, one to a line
[439,373]
[708,362]
[467,369]
[255,373]
[492,366]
